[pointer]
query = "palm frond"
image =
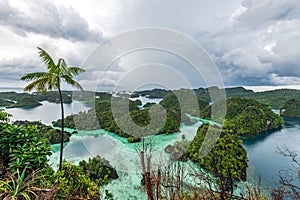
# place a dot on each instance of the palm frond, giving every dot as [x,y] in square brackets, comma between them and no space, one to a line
[33,76]
[46,58]
[74,71]
[39,84]
[69,80]
[54,81]
[60,68]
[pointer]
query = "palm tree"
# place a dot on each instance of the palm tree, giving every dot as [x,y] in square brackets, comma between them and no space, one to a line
[44,81]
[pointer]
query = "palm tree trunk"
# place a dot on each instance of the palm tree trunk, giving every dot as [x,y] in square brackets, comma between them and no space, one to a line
[62,130]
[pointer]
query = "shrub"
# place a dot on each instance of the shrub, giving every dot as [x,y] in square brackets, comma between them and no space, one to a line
[98,170]
[72,183]
[22,148]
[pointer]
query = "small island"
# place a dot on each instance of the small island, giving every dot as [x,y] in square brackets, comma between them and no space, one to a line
[102,117]
[291,108]
[247,117]
[16,100]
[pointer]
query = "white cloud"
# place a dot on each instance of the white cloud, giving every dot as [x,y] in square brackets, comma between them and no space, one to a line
[43,17]
[252,41]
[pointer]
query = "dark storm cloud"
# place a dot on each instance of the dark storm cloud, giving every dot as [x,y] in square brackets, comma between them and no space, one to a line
[13,69]
[252,42]
[262,13]
[260,47]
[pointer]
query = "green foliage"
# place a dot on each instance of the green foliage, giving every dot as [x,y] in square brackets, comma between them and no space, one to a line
[134,105]
[246,117]
[237,92]
[148,105]
[13,99]
[291,108]
[227,160]
[152,94]
[275,98]
[53,96]
[6,103]
[72,183]
[90,96]
[57,73]
[26,102]
[17,186]
[254,120]
[23,148]
[105,119]
[133,139]
[98,170]
[172,100]
[204,93]
[52,135]
[4,116]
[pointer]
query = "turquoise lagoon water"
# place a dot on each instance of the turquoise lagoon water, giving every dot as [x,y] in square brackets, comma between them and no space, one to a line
[122,155]
[262,149]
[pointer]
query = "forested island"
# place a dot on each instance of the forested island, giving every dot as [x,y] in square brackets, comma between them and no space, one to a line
[141,117]
[244,116]
[291,108]
[273,98]
[247,117]
[227,160]
[13,99]
[247,114]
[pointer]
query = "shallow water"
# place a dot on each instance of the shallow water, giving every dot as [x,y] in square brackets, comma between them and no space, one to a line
[121,154]
[262,149]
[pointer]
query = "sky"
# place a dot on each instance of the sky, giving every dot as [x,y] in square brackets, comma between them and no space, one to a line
[251,42]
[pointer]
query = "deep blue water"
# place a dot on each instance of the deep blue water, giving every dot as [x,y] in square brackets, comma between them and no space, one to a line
[264,157]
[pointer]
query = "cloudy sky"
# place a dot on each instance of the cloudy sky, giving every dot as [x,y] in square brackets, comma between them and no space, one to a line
[252,42]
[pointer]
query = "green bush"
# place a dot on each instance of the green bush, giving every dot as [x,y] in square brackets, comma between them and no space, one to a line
[48,132]
[4,116]
[17,186]
[98,170]
[23,148]
[72,183]
[133,139]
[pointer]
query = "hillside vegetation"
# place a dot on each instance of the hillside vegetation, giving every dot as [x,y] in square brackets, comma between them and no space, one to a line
[47,132]
[247,117]
[13,99]
[102,117]
[291,108]
[275,98]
